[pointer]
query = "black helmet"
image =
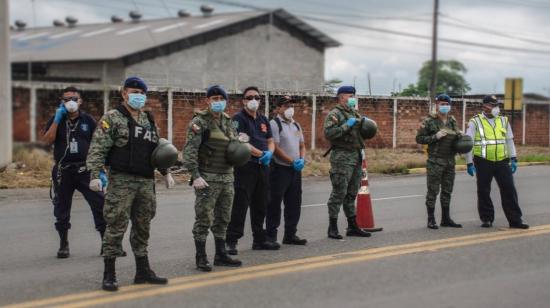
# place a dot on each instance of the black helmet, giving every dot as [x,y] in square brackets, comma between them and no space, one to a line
[164,155]
[463,144]
[237,153]
[368,128]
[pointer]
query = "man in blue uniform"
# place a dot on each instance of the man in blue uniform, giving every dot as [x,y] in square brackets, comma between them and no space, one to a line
[70,131]
[252,179]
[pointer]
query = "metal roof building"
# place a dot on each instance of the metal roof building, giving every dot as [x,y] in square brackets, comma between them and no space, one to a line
[273,50]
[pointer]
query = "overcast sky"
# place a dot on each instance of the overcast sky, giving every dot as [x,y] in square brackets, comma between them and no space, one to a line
[393,61]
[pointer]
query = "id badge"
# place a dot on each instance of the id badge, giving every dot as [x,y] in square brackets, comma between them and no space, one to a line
[73,146]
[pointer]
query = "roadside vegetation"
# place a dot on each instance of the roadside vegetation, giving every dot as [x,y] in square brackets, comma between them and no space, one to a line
[32,166]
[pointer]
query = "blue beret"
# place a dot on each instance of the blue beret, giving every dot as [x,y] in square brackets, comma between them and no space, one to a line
[443,98]
[136,83]
[346,89]
[216,90]
[490,99]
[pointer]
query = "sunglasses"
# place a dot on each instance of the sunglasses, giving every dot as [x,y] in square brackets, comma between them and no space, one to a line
[249,98]
[71,98]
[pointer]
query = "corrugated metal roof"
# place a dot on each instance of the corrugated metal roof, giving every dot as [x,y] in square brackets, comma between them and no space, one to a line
[110,41]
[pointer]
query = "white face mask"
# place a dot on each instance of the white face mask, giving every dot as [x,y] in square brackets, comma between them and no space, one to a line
[289,113]
[71,106]
[253,105]
[495,111]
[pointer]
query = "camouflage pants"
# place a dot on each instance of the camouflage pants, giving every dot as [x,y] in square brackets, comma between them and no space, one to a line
[440,175]
[213,210]
[346,181]
[129,197]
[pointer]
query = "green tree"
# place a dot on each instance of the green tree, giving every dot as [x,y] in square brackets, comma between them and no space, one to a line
[331,85]
[450,79]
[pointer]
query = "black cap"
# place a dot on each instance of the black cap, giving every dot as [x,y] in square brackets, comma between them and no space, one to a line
[135,83]
[490,99]
[283,100]
[216,90]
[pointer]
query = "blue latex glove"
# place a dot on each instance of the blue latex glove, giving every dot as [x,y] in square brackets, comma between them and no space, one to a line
[103,178]
[265,159]
[298,164]
[351,121]
[59,113]
[514,165]
[471,169]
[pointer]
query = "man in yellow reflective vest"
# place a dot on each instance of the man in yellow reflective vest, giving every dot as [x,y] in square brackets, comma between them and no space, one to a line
[494,155]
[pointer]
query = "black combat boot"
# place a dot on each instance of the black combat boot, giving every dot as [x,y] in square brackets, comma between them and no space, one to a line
[446,220]
[221,258]
[333,229]
[431,218]
[200,257]
[144,273]
[354,230]
[63,251]
[109,275]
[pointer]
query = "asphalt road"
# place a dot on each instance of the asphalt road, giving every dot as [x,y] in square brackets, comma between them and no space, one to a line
[406,265]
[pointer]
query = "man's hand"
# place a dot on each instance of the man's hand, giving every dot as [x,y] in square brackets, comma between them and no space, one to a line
[95,185]
[514,164]
[471,169]
[199,183]
[298,164]
[440,134]
[60,112]
[351,121]
[265,159]
[169,181]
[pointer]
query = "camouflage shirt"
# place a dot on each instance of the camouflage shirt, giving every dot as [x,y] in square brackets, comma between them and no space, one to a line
[112,130]
[429,128]
[337,130]
[202,121]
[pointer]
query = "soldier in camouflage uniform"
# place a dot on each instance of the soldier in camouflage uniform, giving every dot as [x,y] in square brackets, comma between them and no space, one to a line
[204,156]
[124,141]
[341,128]
[439,132]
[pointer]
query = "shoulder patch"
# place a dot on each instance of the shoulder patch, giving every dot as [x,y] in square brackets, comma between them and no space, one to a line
[105,125]
[195,128]
[235,124]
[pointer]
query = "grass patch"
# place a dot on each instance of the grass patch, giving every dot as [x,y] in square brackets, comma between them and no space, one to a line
[31,168]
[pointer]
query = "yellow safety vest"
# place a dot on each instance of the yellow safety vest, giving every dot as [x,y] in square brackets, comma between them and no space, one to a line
[490,141]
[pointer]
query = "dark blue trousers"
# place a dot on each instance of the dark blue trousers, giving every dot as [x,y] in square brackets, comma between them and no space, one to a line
[500,170]
[65,183]
[285,186]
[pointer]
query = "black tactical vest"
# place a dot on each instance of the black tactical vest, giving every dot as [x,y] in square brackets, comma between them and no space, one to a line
[213,148]
[352,139]
[135,156]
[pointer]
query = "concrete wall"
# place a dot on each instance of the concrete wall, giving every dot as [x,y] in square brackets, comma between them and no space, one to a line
[114,71]
[395,128]
[237,61]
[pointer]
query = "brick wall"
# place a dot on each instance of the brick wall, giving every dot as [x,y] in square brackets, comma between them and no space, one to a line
[409,115]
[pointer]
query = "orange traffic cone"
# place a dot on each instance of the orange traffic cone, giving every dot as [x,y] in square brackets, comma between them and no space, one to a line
[365,217]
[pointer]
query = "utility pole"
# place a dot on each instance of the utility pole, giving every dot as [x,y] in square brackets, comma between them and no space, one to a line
[5,86]
[433,84]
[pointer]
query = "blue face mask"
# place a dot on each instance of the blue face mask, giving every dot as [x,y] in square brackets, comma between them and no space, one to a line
[352,102]
[444,109]
[218,106]
[136,100]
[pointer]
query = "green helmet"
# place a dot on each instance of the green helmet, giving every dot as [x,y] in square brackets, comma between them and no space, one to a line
[164,155]
[368,128]
[237,153]
[463,144]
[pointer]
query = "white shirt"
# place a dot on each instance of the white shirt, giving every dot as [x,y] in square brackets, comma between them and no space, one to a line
[471,131]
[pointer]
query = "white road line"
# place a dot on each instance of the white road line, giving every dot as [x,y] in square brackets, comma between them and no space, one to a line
[208,24]
[375,199]
[97,32]
[170,27]
[60,35]
[131,30]
[33,36]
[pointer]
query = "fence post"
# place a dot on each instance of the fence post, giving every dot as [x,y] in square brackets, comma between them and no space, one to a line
[523,112]
[106,101]
[33,113]
[313,120]
[394,133]
[463,115]
[266,109]
[170,115]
